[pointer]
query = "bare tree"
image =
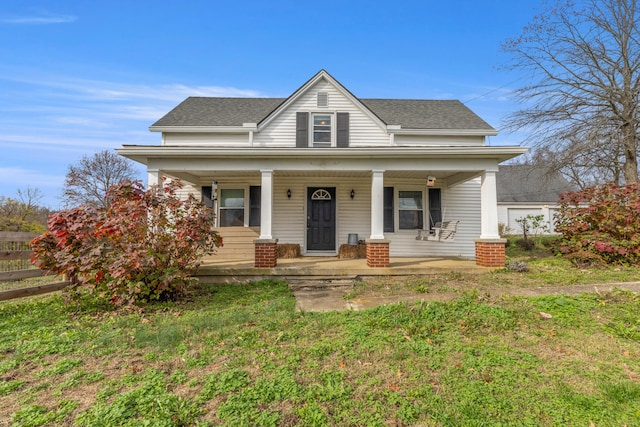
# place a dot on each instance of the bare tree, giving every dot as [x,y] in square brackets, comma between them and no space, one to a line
[87,182]
[584,68]
[23,213]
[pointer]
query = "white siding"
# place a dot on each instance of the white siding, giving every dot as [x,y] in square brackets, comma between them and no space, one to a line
[289,219]
[281,132]
[207,139]
[461,202]
[435,140]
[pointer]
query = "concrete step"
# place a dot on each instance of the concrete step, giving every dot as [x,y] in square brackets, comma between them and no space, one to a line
[319,282]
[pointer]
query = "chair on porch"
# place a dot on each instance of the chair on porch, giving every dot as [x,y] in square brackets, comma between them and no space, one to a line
[444,231]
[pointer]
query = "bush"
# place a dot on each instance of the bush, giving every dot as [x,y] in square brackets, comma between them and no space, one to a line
[601,224]
[144,245]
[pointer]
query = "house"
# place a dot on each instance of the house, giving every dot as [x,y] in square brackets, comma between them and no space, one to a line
[529,190]
[322,166]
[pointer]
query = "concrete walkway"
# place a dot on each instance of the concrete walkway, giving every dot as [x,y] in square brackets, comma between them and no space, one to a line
[332,298]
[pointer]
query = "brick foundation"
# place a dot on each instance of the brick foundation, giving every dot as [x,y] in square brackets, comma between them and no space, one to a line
[377,253]
[266,253]
[491,252]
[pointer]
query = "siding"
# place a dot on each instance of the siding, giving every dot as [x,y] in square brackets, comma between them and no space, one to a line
[206,139]
[289,220]
[461,202]
[436,140]
[281,132]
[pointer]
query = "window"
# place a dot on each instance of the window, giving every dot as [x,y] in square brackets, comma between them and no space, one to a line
[410,210]
[322,130]
[231,207]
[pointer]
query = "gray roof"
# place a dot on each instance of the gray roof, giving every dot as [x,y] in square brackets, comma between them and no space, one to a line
[409,113]
[530,184]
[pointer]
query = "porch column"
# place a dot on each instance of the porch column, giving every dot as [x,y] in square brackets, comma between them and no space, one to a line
[265,247]
[377,204]
[153,177]
[377,246]
[266,204]
[490,248]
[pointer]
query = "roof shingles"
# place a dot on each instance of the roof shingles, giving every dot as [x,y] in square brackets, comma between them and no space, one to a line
[408,113]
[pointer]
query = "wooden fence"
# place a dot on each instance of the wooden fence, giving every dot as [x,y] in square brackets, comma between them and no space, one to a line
[14,256]
[14,265]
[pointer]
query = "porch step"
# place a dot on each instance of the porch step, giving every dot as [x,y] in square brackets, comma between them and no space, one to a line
[238,242]
[319,282]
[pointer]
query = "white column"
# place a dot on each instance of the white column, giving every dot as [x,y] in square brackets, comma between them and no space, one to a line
[488,206]
[153,177]
[266,204]
[377,204]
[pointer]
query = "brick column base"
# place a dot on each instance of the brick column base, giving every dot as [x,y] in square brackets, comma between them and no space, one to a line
[266,253]
[377,253]
[491,252]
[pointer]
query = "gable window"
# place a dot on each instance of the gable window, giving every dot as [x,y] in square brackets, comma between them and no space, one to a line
[322,130]
[410,210]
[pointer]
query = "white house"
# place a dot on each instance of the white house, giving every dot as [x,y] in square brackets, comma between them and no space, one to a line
[529,190]
[322,165]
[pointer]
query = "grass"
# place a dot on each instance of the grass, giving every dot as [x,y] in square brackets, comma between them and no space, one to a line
[240,355]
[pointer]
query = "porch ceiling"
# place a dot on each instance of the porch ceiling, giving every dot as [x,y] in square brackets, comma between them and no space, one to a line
[391,174]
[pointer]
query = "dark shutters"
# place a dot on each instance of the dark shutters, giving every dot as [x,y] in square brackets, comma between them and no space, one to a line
[435,206]
[255,197]
[342,130]
[302,130]
[388,210]
[206,196]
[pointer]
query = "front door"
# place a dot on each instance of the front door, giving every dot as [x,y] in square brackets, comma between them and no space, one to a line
[321,219]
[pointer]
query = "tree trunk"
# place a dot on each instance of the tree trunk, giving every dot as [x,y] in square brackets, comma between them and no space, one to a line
[630,154]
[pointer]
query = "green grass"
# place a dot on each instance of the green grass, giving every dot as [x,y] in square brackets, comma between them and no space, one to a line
[240,355]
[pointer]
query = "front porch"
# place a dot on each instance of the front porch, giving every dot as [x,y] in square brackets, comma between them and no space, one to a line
[241,270]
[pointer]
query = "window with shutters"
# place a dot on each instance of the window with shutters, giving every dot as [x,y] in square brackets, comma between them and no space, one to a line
[319,130]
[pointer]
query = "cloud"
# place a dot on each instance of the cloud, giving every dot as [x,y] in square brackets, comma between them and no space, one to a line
[38,17]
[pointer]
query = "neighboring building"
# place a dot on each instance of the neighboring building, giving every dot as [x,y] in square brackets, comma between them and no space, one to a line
[529,190]
[322,165]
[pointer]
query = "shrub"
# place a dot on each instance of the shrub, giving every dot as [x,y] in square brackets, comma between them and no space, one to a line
[144,245]
[601,223]
[519,266]
[531,224]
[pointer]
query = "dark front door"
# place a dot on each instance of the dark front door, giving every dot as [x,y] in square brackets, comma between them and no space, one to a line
[321,219]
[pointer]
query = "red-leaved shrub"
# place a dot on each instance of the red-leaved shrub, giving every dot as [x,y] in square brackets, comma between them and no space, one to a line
[143,246]
[601,223]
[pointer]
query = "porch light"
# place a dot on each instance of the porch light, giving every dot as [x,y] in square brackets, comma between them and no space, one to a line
[353,194]
[289,193]
[431,181]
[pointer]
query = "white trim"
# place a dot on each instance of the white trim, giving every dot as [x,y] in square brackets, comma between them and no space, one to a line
[201,129]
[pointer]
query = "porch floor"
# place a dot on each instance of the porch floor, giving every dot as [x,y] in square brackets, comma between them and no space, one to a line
[239,270]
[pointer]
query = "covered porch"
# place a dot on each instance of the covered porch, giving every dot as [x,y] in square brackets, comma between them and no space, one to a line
[242,270]
[382,195]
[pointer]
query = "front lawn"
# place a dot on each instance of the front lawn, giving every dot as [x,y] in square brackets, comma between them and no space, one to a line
[240,355]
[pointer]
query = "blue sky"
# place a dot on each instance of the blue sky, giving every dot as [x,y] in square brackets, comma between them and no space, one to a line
[78,77]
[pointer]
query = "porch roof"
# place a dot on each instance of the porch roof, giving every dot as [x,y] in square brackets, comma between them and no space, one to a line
[142,153]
